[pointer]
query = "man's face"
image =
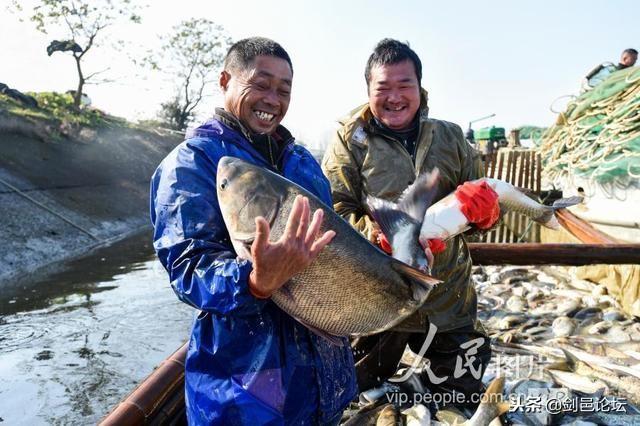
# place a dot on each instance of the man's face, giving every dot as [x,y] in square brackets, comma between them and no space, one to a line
[394,94]
[258,95]
[628,59]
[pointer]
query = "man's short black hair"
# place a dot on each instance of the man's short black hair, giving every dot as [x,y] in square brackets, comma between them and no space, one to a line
[244,51]
[630,51]
[388,52]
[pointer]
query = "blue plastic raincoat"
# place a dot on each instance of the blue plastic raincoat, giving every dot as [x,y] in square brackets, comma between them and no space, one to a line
[248,362]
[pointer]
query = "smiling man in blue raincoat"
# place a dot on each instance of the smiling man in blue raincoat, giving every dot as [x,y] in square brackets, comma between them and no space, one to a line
[248,361]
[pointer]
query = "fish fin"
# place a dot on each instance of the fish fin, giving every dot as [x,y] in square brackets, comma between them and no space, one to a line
[493,403]
[415,200]
[558,366]
[331,338]
[496,386]
[503,407]
[422,282]
[572,360]
[389,216]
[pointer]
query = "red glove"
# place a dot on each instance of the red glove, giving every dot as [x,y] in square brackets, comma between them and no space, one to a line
[479,203]
[383,243]
[437,245]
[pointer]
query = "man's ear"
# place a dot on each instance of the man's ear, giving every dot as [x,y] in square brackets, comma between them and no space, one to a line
[224,80]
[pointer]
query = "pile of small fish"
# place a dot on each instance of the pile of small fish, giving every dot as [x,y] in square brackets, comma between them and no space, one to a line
[563,353]
[554,334]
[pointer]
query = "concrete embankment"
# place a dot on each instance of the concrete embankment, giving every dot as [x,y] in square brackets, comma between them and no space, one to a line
[61,197]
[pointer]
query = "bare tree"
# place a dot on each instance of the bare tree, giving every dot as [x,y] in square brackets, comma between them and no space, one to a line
[80,22]
[190,55]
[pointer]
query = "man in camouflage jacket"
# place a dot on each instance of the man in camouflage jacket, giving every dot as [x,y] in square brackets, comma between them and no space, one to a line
[380,149]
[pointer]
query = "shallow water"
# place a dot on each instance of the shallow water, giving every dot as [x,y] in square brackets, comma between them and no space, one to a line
[75,343]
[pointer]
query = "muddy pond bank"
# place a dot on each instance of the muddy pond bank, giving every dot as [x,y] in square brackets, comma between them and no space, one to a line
[61,197]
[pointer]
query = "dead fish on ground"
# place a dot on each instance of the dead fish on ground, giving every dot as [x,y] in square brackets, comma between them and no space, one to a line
[600,327]
[444,219]
[508,321]
[612,314]
[370,396]
[386,290]
[625,385]
[450,416]
[607,364]
[577,382]
[492,405]
[388,416]
[367,416]
[516,304]
[563,326]
[418,415]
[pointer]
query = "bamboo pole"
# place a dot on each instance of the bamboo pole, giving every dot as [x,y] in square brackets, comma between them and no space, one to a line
[554,254]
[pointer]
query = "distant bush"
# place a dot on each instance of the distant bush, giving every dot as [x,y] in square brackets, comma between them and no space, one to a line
[58,117]
[60,106]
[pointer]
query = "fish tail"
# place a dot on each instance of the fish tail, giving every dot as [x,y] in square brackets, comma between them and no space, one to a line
[566,202]
[421,282]
[548,218]
[415,200]
[493,404]
[410,208]
[389,217]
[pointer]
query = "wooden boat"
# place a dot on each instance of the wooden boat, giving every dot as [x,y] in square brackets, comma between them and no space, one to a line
[611,208]
[158,400]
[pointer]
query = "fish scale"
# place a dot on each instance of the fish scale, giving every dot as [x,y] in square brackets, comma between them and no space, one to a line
[335,311]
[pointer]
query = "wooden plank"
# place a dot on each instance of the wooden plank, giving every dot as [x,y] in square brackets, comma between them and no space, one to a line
[500,163]
[538,173]
[514,167]
[523,155]
[494,159]
[583,230]
[554,254]
[508,167]
[527,162]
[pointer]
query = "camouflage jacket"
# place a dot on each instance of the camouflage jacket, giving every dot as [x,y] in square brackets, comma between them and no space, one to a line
[361,161]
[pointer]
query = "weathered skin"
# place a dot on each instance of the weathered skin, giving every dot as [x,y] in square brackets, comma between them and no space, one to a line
[444,220]
[352,288]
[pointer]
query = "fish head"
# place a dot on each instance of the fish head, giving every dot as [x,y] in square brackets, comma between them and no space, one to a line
[246,191]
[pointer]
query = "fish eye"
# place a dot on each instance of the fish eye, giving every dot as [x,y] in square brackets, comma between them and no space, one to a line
[223,184]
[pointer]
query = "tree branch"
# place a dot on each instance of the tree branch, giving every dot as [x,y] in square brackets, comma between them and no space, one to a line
[96,73]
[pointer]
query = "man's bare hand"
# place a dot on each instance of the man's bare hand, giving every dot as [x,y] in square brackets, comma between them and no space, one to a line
[275,263]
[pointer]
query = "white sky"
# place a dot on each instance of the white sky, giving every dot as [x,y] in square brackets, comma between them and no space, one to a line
[511,58]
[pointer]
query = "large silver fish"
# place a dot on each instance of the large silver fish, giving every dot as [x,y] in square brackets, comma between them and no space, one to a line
[444,219]
[352,288]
